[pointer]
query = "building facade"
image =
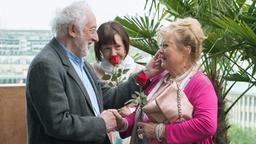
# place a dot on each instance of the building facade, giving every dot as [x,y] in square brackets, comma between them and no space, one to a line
[17,49]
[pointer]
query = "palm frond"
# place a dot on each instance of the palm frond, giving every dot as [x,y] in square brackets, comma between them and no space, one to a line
[142,32]
[148,46]
[176,7]
[138,27]
[236,27]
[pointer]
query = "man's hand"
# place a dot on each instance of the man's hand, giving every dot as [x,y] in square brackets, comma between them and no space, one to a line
[110,119]
[119,121]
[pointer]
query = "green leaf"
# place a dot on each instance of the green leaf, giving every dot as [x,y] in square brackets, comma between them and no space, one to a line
[114,77]
[119,74]
[134,96]
[237,77]
[144,100]
[106,77]
[125,71]
[135,102]
[137,93]
[128,102]
[119,71]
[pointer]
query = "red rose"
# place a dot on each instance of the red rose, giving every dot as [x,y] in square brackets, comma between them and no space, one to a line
[114,60]
[141,79]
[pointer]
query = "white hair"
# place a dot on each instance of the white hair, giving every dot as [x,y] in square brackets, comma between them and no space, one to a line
[76,14]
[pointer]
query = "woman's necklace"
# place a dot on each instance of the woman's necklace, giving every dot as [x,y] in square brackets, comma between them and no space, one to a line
[169,80]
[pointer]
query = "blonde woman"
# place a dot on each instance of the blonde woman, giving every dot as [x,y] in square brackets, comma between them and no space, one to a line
[180,48]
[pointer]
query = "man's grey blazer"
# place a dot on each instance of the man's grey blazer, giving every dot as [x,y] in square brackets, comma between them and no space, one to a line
[59,110]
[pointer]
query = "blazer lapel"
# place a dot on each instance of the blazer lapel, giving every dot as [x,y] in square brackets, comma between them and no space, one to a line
[70,70]
[72,73]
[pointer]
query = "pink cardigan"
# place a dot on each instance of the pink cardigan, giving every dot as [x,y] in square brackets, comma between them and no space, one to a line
[203,125]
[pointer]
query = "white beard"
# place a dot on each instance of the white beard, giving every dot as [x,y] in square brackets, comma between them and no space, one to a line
[82,46]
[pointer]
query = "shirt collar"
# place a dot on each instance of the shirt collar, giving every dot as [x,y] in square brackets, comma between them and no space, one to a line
[72,56]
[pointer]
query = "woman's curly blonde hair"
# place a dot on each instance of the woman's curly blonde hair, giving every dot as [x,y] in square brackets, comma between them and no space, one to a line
[188,32]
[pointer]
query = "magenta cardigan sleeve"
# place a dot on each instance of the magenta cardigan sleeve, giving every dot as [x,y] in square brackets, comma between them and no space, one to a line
[130,119]
[203,125]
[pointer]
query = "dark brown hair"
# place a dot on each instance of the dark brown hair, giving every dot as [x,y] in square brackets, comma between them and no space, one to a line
[106,33]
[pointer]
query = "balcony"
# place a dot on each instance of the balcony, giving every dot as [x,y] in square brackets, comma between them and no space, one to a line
[13,115]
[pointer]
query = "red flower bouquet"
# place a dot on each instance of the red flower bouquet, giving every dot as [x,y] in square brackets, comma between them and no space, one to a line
[116,77]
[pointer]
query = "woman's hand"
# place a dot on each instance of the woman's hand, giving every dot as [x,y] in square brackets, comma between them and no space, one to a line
[147,129]
[153,67]
[126,110]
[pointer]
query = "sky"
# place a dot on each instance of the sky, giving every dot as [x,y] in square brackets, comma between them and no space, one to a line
[37,14]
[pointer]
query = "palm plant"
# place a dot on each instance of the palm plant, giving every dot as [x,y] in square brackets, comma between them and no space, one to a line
[240,35]
[230,28]
[141,31]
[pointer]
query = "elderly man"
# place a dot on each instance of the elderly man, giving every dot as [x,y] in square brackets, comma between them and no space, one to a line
[65,100]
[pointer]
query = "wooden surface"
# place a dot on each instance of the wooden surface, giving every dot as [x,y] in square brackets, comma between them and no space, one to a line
[12,115]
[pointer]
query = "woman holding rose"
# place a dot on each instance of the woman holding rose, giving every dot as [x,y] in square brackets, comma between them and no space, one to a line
[111,52]
[112,49]
[180,49]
